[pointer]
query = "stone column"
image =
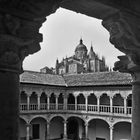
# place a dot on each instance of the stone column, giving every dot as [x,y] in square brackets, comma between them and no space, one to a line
[65,130]
[75,102]
[111,104]
[28,102]
[111,132]
[48,102]
[38,102]
[86,130]
[56,102]
[98,103]
[86,102]
[47,130]
[125,105]
[28,131]
[65,101]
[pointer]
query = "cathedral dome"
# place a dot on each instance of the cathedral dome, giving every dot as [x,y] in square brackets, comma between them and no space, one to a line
[81,47]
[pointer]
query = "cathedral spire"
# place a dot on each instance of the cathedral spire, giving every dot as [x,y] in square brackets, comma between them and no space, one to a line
[81,40]
[91,52]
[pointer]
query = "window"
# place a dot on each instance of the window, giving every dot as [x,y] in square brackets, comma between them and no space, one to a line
[35,131]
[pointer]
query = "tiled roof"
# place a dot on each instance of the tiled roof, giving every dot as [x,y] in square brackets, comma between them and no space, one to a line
[87,79]
[98,78]
[41,78]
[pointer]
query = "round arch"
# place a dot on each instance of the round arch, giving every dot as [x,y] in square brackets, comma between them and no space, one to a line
[75,127]
[98,128]
[36,117]
[56,127]
[56,115]
[122,130]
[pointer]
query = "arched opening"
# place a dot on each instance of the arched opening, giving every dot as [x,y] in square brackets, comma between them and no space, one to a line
[98,130]
[75,128]
[52,101]
[122,130]
[129,104]
[81,102]
[60,101]
[92,102]
[33,101]
[38,128]
[23,97]
[71,102]
[104,103]
[118,104]
[23,101]
[43,101]
[56,128]
[22,129]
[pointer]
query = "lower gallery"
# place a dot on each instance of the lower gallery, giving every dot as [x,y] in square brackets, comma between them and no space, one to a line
[91,106]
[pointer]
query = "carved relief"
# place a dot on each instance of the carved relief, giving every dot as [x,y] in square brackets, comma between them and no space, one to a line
[19,30]
[124,36]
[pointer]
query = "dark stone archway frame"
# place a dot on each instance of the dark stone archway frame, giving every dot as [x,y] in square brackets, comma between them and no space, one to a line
[19,37]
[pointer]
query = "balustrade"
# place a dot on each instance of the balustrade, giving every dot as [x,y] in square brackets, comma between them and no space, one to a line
[52,106]
[80,107]
[60,106]
[93,108]
[43,106]
[23,106]
[104,108]
[129,110]
[118,109]
[33,106]
[71,107]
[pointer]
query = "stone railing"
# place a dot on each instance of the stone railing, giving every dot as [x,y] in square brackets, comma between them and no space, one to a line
[116,110]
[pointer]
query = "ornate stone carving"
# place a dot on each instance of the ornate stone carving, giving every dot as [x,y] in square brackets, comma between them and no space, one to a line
[19,30]
[124,35]
[29,9]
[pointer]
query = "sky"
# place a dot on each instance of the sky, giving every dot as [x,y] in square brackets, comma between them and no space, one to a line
[61,34]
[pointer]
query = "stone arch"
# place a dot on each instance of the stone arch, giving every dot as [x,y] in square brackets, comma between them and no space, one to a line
[129,100]
[80,99]
[100,118]
[76,116]
[57,115]
[122,130]
[98,128]
[92,99]
[23,97]
[61,98]
[75,127]
[37,116]
[33,98]
[118,100]
[71,98]
[52,98]
[56,122]
[104,99]
[119,121]
[43,98]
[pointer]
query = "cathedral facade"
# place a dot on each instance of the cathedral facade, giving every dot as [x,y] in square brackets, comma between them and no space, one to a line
[80,62]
